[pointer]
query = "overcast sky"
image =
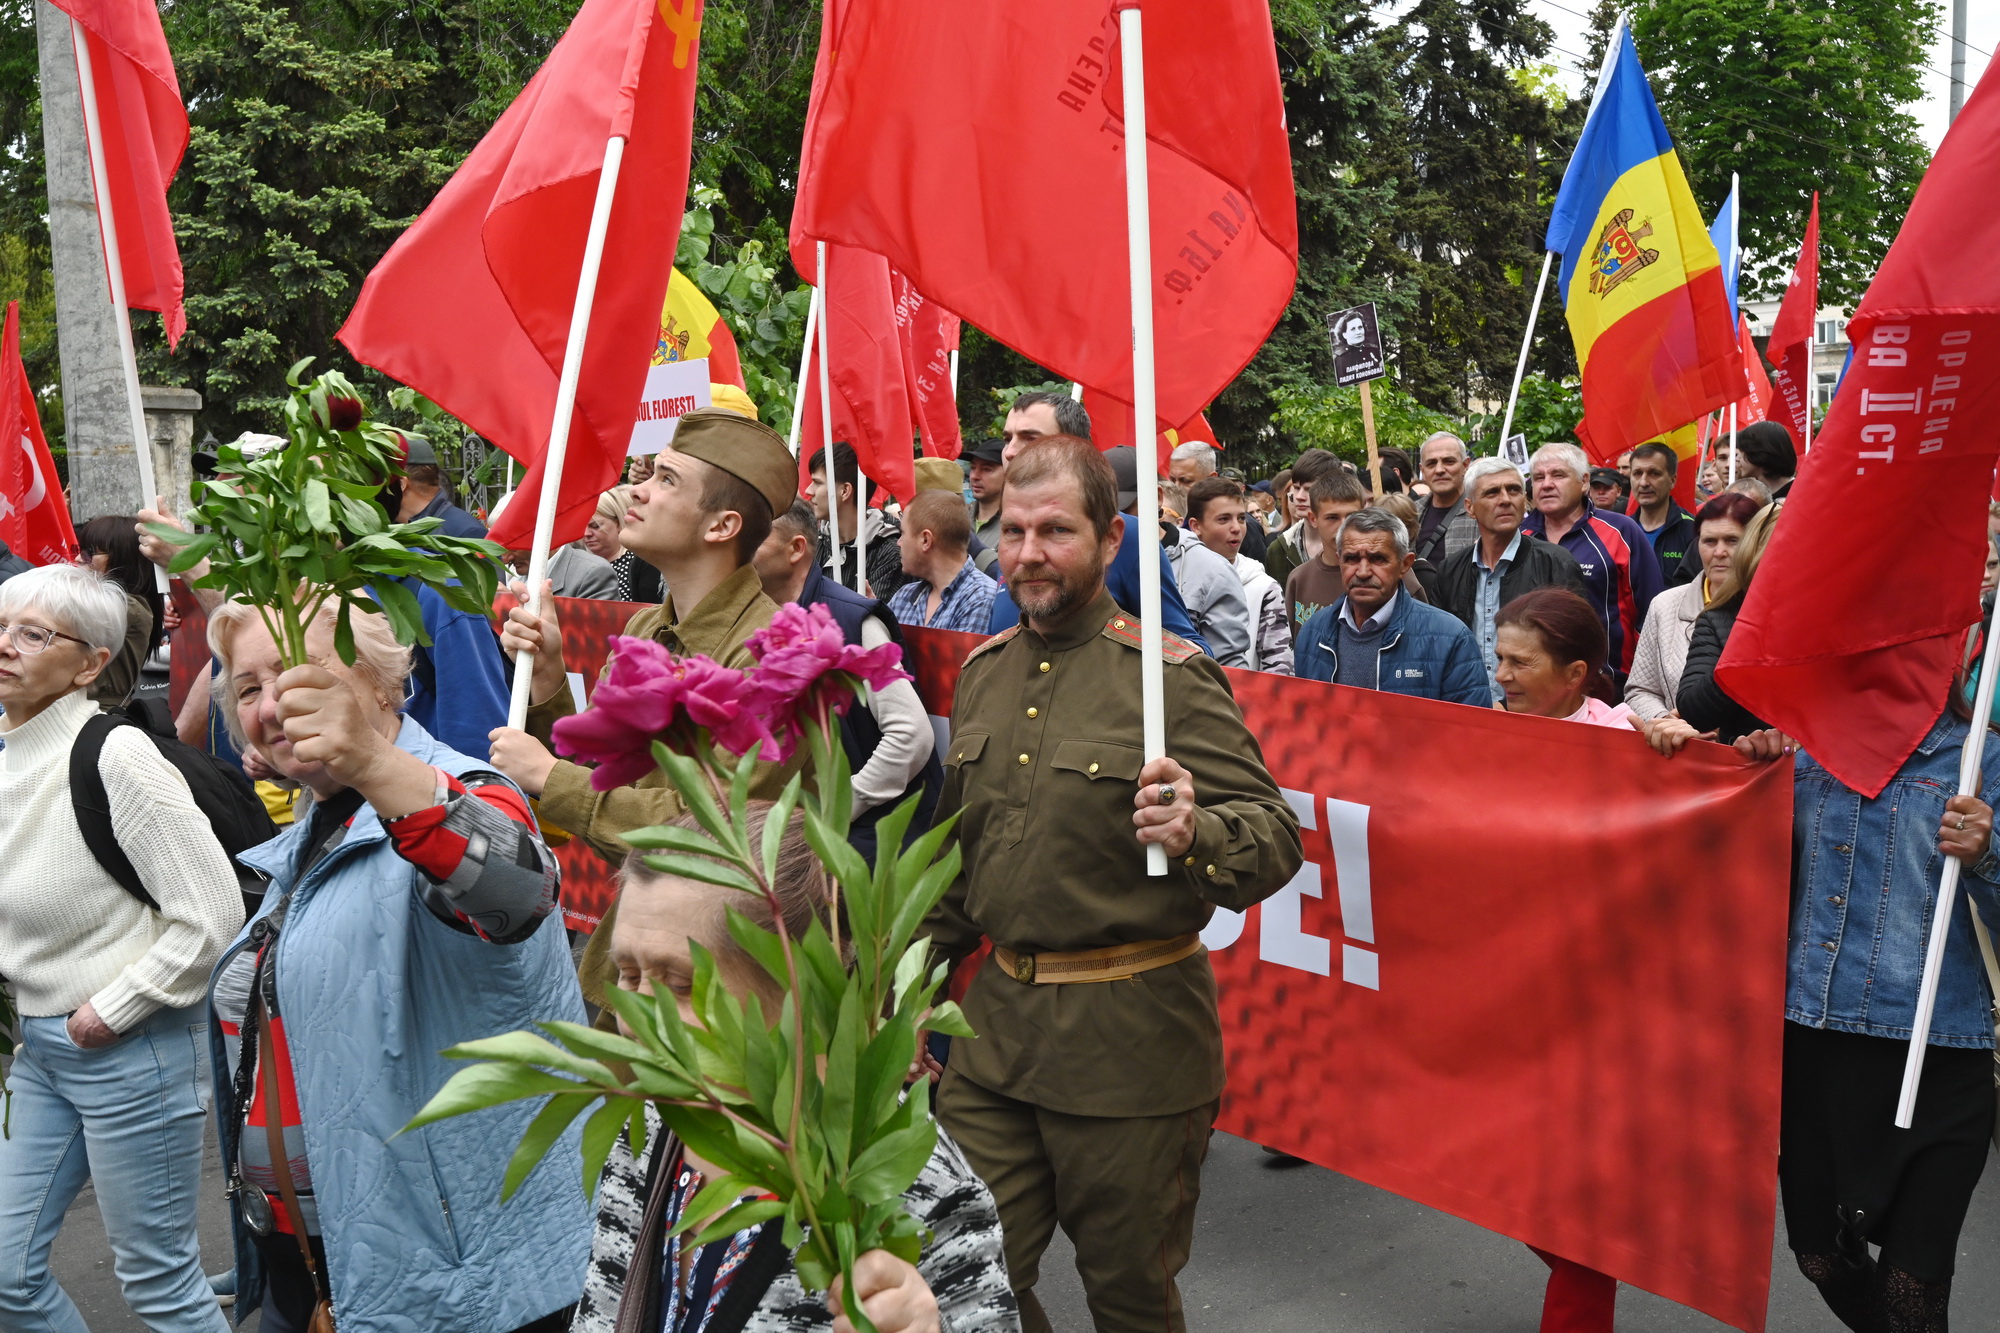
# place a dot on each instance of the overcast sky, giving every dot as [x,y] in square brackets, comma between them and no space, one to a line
[1568,19]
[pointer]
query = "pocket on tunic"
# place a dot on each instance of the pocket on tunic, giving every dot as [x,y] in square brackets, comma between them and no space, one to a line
[1097,760]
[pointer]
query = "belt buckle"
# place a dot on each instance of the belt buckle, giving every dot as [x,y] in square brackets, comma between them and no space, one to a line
[1024,968]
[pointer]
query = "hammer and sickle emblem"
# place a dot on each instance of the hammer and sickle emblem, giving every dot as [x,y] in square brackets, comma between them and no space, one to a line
[685,24]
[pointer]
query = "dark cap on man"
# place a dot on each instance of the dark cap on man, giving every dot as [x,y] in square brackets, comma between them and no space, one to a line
[987,451]
[1124,462]
[745,449]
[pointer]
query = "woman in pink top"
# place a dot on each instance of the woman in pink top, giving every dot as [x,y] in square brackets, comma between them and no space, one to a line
[1550,648]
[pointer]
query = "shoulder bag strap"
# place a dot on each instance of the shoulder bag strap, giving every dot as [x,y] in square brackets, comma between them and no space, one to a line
[642,1274]
[281,1162]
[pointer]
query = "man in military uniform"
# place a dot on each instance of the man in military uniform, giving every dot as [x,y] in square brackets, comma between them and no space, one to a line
[1087,1098]
[698,519]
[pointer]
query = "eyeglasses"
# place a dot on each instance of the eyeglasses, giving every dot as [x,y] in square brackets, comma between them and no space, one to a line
[32,639]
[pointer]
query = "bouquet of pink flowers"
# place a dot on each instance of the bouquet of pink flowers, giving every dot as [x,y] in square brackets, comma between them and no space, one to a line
[807,1111]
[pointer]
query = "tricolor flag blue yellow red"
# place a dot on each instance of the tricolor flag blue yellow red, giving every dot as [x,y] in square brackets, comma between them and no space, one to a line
[1641,282]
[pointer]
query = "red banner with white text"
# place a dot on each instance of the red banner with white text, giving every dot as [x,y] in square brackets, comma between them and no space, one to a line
[1500,986]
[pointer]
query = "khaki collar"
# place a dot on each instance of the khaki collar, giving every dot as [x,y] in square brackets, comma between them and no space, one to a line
[710,628]
[1080,628]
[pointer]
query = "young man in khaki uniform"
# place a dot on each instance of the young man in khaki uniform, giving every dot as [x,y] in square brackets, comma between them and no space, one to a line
[698,519]
[1088,1096]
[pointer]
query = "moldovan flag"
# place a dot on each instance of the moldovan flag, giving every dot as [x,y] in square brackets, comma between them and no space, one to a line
[1820,650]
[471,307]
[928,123]
[870,387]
[1791,335]
[34,520]
[144,125]
[691,328]
[1641,281]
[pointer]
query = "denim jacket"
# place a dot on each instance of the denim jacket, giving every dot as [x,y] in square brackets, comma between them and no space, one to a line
[1864,888]
[373,987]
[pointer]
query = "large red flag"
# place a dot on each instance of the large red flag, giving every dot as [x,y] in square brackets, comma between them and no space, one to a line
[1111,428]
[871,387]
[931,127]
[929,336]
[34,519]
[472,305]
[1791,335]
[1822,649]
[145,130]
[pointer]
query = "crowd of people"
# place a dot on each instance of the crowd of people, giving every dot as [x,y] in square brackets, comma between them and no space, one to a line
[299,993]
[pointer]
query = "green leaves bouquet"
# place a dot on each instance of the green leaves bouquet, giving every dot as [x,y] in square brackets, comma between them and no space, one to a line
[292,528]
[805,1111]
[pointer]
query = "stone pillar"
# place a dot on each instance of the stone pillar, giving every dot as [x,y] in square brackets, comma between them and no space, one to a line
[170,417]
[97,422]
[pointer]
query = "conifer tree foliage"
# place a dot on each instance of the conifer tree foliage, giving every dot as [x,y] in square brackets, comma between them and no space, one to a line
[1795,96]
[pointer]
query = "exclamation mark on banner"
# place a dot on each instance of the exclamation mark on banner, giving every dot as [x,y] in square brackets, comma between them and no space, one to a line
[1347,830]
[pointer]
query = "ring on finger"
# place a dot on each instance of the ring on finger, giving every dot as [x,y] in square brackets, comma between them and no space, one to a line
[1167,793]
[1961,823]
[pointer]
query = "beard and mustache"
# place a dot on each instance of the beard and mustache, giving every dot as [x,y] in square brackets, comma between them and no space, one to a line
[1055,594]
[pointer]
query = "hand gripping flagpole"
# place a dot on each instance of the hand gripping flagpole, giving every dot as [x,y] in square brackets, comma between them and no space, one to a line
[1527,341]
[572,371]
[832,482]
[1968,785]
[1145,414]
[107,221]
[805,368]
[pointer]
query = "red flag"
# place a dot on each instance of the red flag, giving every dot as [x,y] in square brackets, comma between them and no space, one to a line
[471,307]
[929,335]
[1755,404]
[1111,427]
[926,130]
[1791,335]
[871,389]
[1858,673]
[145,130]
[34,519]
[1576,1099]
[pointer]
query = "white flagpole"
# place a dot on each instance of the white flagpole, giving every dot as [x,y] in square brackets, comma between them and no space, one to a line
[1076,389]
[954,376]
[1527,341]
[1968,785]
[805,366]
[1732,444]
[572,370]
[1145,415]
[860,528]
[826,430]
[1735,276]
[107,222]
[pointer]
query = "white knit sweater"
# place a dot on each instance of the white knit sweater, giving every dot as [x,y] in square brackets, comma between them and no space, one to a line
[68,932]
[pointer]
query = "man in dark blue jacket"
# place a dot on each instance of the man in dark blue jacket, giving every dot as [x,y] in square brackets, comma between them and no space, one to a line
[1378,638]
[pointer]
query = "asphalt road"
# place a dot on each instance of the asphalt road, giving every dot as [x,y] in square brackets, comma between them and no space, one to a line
[1280,1248]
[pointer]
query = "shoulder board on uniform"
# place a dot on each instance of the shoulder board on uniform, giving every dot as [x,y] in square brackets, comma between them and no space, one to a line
[1125,629]
[993,642]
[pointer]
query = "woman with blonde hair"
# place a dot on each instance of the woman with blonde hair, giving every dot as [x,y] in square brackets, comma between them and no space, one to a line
[408,911]
[1700,700]
[637,580]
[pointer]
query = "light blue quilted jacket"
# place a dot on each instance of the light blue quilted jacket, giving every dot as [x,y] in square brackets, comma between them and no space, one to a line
[372,987]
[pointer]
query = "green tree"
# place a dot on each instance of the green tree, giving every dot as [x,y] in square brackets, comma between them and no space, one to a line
[766,316]
[320,130]
[1330,419]
[1795,96]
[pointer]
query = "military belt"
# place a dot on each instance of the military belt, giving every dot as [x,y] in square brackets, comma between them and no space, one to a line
[1113,964]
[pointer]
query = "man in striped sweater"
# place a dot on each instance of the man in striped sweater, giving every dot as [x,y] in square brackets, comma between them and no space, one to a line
[1621,574]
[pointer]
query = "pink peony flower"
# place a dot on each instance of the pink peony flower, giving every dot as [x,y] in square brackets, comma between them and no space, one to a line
[648,694]
[806,670]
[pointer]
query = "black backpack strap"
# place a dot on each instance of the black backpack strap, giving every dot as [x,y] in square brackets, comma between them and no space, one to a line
[93,805]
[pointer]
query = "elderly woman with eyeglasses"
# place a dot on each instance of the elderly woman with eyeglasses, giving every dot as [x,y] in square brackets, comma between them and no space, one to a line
[409,910]
[111,1081]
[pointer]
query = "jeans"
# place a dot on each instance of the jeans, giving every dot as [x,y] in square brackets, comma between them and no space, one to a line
[130,1117]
